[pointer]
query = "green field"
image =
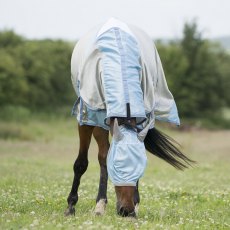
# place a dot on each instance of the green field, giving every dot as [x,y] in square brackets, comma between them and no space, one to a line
[36,159]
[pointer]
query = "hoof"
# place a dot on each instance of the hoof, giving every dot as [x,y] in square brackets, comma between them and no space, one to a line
[100,207]
[70,211]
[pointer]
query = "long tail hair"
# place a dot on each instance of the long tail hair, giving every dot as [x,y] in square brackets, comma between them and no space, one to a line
[162,146]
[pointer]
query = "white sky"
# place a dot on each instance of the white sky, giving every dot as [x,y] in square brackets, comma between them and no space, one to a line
[69,19]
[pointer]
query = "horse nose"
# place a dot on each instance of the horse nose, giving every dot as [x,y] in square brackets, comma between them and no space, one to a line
[124,212]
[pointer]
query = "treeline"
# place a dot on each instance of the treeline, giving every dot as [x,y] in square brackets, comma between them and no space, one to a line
[198,74]
[36,73]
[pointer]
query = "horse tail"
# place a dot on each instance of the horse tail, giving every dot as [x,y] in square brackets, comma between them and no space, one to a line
[162,146]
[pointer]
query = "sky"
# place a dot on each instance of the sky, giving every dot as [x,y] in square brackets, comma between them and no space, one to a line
[70,19]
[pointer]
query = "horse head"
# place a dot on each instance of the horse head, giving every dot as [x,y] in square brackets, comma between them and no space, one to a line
[126,164]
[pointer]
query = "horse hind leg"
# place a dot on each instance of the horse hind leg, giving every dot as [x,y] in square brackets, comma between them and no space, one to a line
[80,166]
[102,138]
[136,199]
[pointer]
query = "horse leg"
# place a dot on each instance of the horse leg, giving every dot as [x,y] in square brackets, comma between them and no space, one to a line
[102,138]
[136,198]
[80,166]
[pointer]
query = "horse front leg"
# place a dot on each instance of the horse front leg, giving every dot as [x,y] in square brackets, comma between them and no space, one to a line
[80,166]
[102,138]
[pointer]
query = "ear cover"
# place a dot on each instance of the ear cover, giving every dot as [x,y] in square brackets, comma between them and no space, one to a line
[141,135]
[117,134]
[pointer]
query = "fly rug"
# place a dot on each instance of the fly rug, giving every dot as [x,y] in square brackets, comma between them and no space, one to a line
[121,87]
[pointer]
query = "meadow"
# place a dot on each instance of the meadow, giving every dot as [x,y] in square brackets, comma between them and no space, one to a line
[36,158]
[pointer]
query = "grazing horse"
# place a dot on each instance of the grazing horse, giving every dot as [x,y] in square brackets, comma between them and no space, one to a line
[119,80]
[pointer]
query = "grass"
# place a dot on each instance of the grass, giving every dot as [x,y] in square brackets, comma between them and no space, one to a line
[36,176]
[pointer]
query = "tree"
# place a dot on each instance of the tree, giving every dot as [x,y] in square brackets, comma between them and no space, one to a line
[13,84]
[200,88]
[175,65]
[223,60]
[46,64]
[34,73]
[9,39]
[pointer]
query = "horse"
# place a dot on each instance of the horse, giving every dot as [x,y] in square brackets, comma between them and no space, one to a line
[118,77]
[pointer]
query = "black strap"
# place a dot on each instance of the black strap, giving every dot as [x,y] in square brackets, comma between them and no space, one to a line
[128,110]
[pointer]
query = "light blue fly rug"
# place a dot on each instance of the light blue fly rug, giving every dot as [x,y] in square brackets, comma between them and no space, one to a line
[117,73]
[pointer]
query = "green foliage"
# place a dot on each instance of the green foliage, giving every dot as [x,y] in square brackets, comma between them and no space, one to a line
[35,74]
[198,73]
[9,39]
[223,62]
[13,84]
[201,88]
[15,113]
[175,65]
